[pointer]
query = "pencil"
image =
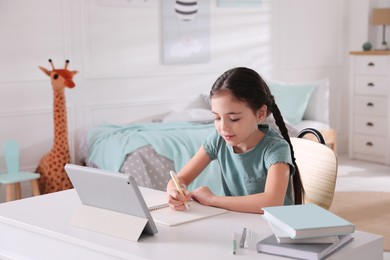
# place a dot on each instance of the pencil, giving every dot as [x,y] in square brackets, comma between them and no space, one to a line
[178,187]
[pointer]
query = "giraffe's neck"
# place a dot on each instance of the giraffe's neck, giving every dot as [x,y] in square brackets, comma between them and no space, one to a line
[60,122]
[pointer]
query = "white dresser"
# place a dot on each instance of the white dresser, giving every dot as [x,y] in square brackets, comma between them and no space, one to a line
[369,128]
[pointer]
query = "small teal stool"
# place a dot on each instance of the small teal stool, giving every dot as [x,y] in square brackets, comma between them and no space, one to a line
[13,177]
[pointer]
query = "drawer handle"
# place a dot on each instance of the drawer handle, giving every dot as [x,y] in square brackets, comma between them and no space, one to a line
[369,124]
[370,84]
[371,64]
[370,144]
[370,104]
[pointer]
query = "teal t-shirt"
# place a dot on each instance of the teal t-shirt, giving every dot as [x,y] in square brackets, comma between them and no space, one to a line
[246,173]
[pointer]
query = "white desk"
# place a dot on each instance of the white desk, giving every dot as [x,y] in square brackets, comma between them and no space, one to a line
[37,228]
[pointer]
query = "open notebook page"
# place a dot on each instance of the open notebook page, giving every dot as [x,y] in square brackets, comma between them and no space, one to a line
[161,213]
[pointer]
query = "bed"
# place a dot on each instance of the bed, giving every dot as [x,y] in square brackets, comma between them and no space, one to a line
[149,150]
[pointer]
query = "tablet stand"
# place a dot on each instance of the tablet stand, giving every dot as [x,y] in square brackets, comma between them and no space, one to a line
[109,222]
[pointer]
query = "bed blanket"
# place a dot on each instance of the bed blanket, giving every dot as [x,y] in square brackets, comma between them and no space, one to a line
[110,144]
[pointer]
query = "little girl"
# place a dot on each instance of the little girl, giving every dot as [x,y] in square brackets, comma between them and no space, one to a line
[256,161]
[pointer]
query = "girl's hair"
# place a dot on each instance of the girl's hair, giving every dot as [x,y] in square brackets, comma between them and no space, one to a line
[247,86]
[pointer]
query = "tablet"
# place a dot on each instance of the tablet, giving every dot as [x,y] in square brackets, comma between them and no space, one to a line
[110,190]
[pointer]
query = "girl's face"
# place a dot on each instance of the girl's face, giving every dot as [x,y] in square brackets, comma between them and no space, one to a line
[236,122]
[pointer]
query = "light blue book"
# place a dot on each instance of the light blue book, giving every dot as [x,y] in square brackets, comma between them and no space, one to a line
[307,220]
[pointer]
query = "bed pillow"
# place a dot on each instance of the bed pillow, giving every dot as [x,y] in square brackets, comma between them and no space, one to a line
[201,101]
[318,106]
[196,115]
[292,99]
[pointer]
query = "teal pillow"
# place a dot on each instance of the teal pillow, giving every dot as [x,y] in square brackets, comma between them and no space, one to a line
[292,99]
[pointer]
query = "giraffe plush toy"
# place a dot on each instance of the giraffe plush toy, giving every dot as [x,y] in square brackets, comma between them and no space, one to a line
[51,166]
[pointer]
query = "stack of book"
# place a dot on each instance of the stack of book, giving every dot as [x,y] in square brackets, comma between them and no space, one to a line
[304,231]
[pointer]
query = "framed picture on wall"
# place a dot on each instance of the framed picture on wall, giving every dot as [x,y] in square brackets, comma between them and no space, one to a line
[185,31]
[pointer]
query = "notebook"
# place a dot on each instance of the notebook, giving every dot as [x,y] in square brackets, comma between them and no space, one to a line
[157,203]
[307,220]
[314,251]
[110,191]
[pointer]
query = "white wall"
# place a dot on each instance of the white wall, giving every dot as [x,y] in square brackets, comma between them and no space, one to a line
[312,43]
[117,49]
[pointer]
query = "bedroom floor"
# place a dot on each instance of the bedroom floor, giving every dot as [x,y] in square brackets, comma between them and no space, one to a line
[356,175]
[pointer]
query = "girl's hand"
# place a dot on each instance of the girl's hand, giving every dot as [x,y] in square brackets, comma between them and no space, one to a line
[203,195]
[176,200]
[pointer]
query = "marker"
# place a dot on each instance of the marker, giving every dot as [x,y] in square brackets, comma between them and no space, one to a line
[248,238]
[234,243]
[243,238]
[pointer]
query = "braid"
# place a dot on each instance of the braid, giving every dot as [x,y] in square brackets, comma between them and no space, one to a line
[280,122]
[299,191]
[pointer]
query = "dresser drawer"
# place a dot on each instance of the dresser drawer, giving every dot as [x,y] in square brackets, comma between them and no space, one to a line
[371,65]
[370,105]
[371,125]
[371,145]
[372,85]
